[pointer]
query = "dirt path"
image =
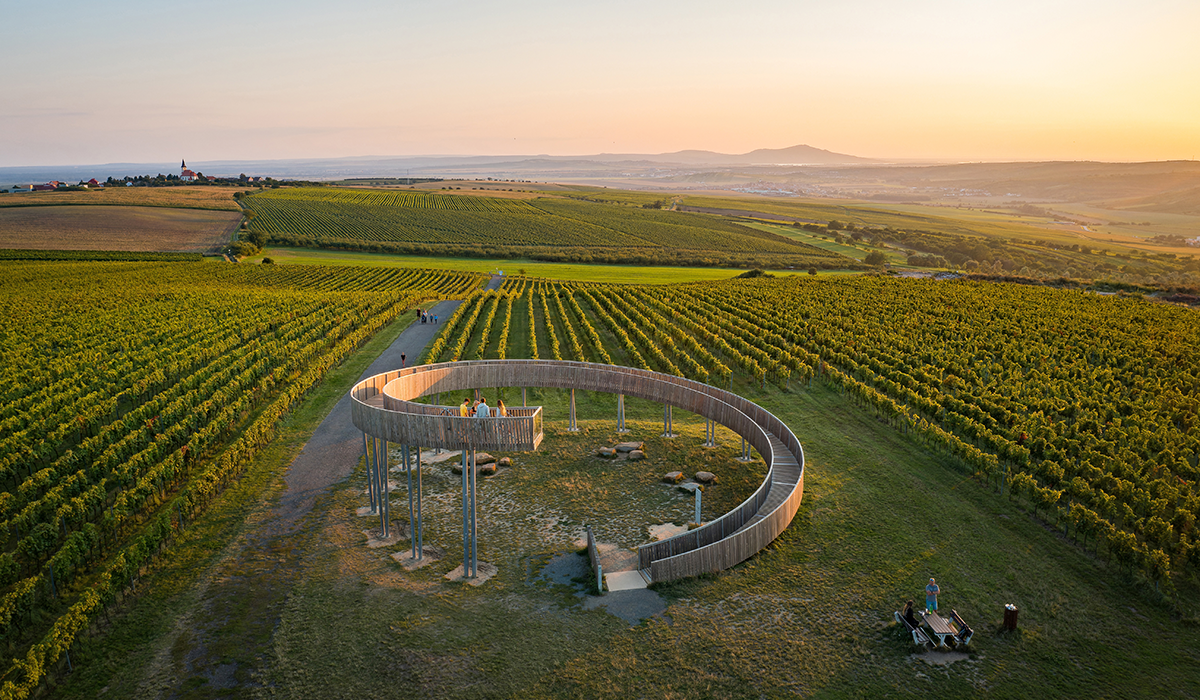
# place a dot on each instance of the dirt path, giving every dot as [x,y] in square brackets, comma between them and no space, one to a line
[335,446]
[216,646]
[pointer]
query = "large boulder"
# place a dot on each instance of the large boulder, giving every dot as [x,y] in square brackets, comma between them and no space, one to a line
[607,452]
[629,446]
[635,455]
[487,469]
[505,462]
[673,477]
[482,458]
[705,477]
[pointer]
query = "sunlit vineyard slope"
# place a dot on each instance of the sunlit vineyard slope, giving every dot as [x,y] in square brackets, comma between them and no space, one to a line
[132,392]
[545,229]
[1086,406]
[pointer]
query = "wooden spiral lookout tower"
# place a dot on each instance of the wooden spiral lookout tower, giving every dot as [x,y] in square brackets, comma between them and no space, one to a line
[382,407]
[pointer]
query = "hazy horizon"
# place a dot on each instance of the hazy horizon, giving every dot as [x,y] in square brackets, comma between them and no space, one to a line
[933,80]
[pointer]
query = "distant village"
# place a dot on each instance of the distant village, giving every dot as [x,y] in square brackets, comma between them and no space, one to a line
[186,176]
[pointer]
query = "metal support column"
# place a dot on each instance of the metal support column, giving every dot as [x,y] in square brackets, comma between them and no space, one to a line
[621,414]
[420,522]
[474,515]
[466,523]
[405,461]
[745,451]
[668,424]
[523,401]
[370,478]
[573,427]
[385,500]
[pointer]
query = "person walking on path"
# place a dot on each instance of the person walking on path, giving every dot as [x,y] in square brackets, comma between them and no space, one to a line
[403,357]
[931,594]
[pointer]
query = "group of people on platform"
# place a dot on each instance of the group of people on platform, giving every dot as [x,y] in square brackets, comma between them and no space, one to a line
[480,409]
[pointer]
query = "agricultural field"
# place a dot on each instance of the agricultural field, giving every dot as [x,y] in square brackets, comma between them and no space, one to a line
[613,274]
[127,228]
[134,392]
[1085,406]
[987,240]
[898,389]
[213,198]
[550,229]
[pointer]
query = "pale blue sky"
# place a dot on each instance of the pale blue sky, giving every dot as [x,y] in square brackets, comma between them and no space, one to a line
[86,82]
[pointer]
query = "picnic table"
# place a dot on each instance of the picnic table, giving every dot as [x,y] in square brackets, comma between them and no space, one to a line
[940,627]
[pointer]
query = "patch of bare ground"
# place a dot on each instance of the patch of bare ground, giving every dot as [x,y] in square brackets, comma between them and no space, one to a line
[130,228]
[219,198]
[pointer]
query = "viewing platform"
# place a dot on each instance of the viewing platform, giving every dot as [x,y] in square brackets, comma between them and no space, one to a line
[383,407]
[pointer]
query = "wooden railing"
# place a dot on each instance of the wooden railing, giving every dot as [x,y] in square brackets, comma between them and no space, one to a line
[383,406]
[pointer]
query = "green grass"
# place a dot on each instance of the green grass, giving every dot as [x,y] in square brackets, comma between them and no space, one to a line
[145,627]
[984,221]
[810,615]
[857,251]
[615,274]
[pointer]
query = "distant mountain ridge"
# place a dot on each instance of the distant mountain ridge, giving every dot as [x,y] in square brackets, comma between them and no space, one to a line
[792,155]
[427,166]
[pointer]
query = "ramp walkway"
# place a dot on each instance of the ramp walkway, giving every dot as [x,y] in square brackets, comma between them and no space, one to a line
[383,407]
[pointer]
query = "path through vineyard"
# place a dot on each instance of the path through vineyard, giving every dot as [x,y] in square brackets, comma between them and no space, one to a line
[229,624]
[333,451]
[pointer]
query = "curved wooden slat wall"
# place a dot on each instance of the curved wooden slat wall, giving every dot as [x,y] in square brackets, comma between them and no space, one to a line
[382,406]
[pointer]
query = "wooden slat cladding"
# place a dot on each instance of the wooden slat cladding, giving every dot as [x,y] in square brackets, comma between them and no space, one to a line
[383,406]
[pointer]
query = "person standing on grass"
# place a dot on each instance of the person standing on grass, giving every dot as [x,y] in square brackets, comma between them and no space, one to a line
[931,594]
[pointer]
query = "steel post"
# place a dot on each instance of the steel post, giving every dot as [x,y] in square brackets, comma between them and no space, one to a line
[367,461]
[420,522]
[466,495]
[474,510]
[385,500]
[573,427]
[406,463]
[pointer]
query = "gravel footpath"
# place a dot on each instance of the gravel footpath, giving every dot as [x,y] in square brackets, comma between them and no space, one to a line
[333,451]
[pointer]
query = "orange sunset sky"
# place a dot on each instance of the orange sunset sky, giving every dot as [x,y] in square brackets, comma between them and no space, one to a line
[86,82]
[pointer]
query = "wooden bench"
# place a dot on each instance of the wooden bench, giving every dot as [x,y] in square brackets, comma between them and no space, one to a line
[964,634]
[918,635]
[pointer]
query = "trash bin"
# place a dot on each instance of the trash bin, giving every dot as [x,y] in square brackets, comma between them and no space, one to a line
[1010,617]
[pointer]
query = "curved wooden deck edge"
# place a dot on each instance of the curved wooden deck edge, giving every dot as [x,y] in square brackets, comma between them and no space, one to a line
[382,406]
